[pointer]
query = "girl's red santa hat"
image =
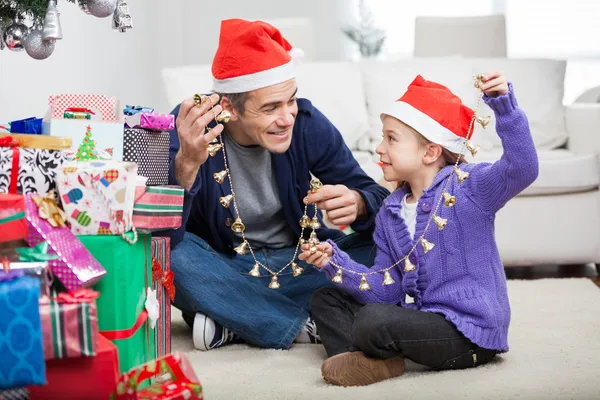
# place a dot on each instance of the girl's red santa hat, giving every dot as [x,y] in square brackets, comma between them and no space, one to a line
[252,55]
[435,112]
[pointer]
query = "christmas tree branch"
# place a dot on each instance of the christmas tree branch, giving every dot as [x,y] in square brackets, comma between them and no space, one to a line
[32,9]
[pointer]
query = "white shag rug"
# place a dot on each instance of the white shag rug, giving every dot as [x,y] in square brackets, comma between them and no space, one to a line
[554,342]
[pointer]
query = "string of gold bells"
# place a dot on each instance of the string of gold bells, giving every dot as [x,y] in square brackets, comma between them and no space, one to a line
[313,223]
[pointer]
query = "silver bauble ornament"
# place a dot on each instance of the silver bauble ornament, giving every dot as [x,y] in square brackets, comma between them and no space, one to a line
[52,27]
[98,8]
[2,26]
[14,34]
[38,48]
[122,17]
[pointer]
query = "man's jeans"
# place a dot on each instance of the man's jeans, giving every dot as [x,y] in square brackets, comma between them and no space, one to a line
[219,286]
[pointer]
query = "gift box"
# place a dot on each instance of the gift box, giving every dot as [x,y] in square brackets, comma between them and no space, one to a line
[13,224]
[106,122]
[123,306]
[69,324]
[20,332]
[151,120]
[176,377]
[98,196]
[75,267]
[150,151]
[32,261]
[89,378]
[28,170]
[157,208]
[163,283]
[14,394]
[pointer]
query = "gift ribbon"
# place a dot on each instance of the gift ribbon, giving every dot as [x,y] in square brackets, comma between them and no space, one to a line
[38,253]
[167,279]
[82,295]
[13,217]
[127,333]
[9,141]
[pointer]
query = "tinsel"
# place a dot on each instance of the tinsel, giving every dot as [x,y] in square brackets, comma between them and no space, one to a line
[32,9]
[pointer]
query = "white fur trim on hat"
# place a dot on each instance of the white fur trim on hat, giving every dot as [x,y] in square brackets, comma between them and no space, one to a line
[258,80]
[425,125]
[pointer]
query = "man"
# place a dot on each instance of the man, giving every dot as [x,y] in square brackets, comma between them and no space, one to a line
[234,257]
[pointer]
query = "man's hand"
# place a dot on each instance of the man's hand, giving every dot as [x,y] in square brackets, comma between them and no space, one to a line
[193,142]
[342,205]
[320,258]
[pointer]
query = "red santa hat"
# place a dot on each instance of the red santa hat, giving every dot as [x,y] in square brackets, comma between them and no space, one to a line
[252,55]
[435,112]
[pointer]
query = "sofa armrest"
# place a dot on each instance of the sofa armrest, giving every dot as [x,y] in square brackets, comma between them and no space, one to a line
[583,127]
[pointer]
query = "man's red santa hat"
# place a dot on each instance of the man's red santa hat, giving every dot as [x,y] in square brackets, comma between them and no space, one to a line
[252,55]
[435,112]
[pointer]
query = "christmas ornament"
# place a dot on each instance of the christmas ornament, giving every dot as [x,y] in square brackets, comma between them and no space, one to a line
[213,149]
[36,47]
[2,26]
[220,176]
[98,8]
[255,271]
[238,226]
[14,35]
[338,278]
[241,249]
[427,245]
[274,283]
[226,200]
[52,27]
[449,200]
[473,148]
[409,266]
[440,222]
[122,17]
[296,269]
[387,279]
[483,121]
[364,284]
[223,117]
[461,175]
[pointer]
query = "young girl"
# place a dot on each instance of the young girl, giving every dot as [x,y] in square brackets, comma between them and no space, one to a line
[437,292]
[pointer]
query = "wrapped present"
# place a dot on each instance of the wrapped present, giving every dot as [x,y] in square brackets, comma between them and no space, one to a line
[123,306]
[89,378]
[164,285]
[14,394]
[69,324]
[30,125]
[150,150]
[13,225]
[175,376]
[39,141]
[132,110]
[75,267]
[98,196]
[150,120]
[157,208]
[32,261]
[78,113]
[20,332]
[106,120]
[28,170]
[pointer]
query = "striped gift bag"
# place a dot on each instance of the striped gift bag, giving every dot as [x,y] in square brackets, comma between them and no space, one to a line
[157,208]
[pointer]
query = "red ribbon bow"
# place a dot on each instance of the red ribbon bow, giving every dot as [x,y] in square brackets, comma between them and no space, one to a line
[82,295]
[167,279]
[9,141]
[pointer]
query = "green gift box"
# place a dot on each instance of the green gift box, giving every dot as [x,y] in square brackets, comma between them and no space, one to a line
[122,315]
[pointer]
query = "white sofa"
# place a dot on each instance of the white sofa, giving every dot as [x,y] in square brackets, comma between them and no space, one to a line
[555,221]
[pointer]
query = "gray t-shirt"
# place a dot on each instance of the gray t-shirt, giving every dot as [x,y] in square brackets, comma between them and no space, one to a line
[257,196]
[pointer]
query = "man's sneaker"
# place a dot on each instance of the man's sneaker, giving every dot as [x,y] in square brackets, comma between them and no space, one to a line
[311,329]
[208,334]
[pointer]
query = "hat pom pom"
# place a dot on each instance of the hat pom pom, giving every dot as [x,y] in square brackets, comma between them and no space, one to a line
[297,54]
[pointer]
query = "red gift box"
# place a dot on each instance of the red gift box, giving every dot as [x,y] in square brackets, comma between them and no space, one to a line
[89,378]
[13,224]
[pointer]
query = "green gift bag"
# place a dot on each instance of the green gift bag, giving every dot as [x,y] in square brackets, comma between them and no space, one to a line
[122,316]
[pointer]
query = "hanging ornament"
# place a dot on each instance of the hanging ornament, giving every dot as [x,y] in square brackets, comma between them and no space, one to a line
[199,99]
[449,200]
[315,224]
[461,175]
[274,283]
[14,35]
[241,249]
[473,148]
[338,278]
[408,266]
[98,8]
[296,269]
[305,221]
[315,184]
[238,226]
[484,121]
[122,17]
[52,27]
[440,222]
[220,176]
[223,117]
[226,200]
[2,26]
[255,271]
[427,245]
[364,284]
[213,149]
[36,47]
[387,279]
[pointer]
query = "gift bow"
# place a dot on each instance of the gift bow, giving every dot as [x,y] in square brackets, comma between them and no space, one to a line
[49,210]
[8,141]
[167,279]
[82,295]
[132,110]
[39,253]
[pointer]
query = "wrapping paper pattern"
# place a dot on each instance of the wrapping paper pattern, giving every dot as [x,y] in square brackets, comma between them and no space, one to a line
[37,169]
[15,394]
[150,120]
[106,106]
[21,334]
[13,225]
[38,270]
[76,267]
[162,282]
[40,142]
[98,196]
[69,324]
[157,208]
[150,150]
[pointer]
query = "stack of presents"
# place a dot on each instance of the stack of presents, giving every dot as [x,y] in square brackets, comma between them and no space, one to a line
[85,283]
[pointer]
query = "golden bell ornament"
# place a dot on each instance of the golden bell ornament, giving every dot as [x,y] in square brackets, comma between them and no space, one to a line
[408,266]
[449,200]
[364,284]
[483,121]
[241,249]
[226,200]
[255,271]
[315,224]
[427,245]
[305,221]
[440,222]
[199,99]
[213,149]
[387,279]
[473,148]
[220,176]
[478,80]
[315,185]
[338,278]
[238,226]
[215,140]
[313,249]
[296,269]
[313,239]
[274,283]
[461,175]
[223,117]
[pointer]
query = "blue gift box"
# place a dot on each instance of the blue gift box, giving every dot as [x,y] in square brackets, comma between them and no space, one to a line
[21,348]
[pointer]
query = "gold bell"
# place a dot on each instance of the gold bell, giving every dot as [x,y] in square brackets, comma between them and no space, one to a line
[483,121]
[408,266]
[238,226]
[255,271]
[303,241]
[305,221]
[224,116]
[313,239]
[199,99]
[274,283]
[315,224]
[449,200]
[473,148]
[427,245]
[478,80]
[220,176]
[440,222]
[213,149]
[461,175]
[387,279]
[338,278]
[215,140]
[313,249]
[241,249]
[296,269]
[226,200]
[315,185]
[364,284]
